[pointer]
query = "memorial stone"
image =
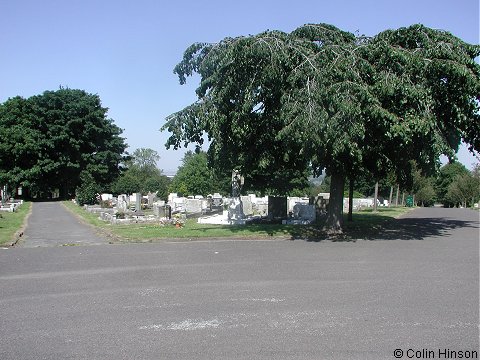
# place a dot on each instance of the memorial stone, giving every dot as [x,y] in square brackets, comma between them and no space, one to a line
[247,205]
[193,206]
[277,207]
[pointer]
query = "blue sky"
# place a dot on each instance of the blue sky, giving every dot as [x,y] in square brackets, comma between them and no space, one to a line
[125,51]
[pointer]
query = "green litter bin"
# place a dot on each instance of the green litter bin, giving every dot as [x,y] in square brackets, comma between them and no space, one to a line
[409,201]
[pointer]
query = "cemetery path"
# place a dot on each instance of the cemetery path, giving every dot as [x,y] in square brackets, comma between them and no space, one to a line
[51,224]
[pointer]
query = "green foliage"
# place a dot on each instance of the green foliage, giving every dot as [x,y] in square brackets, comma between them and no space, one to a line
[447,175]
[127,183]
[142,175]
[159,185]
[194,177]
[276,104]
[144,161]
[356,194]
[239,108]
[48,140]
[423,187]
[87,193]
[463,190]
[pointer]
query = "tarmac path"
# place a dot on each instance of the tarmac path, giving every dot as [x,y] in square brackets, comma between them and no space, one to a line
[51,224]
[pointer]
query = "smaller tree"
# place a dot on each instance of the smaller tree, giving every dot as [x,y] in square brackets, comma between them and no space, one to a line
[142,174]
[464,190]
[87,192]
[423,188]
[447,175]
[159,185]
[144,160]
[194,177]
[127,183]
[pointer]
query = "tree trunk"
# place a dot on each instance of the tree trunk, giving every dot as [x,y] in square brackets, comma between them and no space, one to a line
[403,198]
[391,196]
[396,198]
[375,198]
[350,200]
[334,221]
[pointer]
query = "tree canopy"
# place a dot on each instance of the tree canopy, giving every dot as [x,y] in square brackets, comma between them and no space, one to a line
[142,175]
[194,177]
[275,104]
[53,140]
[446,176]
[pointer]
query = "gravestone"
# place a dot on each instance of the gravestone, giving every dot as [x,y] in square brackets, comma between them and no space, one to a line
[151,199]
[260,206]
[193,206]
[304,212]
[206,205]
[277,207]
[235,210]
[172,196]
[217,200]
[178,204]
[159,208]
[293,200]
[247,205]
[321,203]
[106,197]
[122,204]
[138,201]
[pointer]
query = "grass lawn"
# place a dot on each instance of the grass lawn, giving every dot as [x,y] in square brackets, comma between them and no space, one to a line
[11,222]
[364,223]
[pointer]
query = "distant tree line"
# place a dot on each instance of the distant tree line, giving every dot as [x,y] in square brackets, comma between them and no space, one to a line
[63,140]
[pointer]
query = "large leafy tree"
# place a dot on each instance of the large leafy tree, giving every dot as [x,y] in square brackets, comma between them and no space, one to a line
[277,103]
[53,140]
[239,108]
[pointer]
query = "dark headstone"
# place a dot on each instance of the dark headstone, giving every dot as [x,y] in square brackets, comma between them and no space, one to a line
[277,207]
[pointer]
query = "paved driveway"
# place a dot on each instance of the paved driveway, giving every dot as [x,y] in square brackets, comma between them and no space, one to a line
[51,224]
[416,293]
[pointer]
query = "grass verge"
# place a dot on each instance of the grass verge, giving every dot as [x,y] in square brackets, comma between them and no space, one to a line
[365,224]
[12,223]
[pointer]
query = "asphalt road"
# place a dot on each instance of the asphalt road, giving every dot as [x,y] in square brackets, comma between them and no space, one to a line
[415,290]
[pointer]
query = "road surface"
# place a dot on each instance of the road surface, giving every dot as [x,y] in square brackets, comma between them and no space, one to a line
[410,292]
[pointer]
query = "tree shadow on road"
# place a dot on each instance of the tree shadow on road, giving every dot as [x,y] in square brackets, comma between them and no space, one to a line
[420,228]
[397,229]
[364,227]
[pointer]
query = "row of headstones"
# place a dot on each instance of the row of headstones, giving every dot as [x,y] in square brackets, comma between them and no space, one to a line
[275,207]
[251,205]
[10,205]
[126,202]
